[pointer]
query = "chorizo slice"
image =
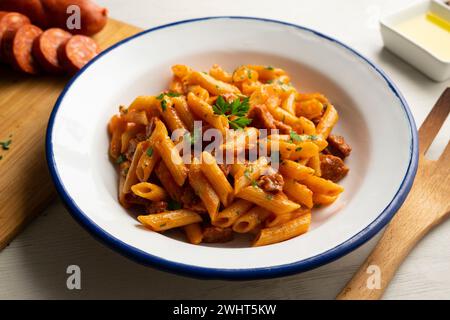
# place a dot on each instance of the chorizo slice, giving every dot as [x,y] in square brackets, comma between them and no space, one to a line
[33,9]
[18,45]
[77,52]
[10,22]
[45,49]
[333,168]
[212,234]
[338,147]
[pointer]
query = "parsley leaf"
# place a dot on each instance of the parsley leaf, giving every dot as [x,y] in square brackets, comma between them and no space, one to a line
[269,68]
[173,205]
[5,145]
[163,105]
[121,159]
[295,137]
[197,134]
[149,151]
[169,94]
[235,111]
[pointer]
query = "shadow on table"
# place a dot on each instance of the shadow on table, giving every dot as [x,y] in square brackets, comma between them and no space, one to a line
[403,68]
[106,274]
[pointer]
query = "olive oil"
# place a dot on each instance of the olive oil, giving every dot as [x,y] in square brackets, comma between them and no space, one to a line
[430,31]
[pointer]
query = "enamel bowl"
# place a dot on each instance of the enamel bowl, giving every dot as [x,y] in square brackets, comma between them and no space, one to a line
[374,118]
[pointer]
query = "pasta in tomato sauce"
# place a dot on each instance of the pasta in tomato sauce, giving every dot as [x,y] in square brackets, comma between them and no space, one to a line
[220,153]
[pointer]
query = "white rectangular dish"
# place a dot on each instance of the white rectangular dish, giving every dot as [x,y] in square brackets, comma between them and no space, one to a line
[412,49]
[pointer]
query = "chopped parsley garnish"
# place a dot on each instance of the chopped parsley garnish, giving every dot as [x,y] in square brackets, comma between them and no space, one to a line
[249,73]
[235,111]
[173,205]
[247,174]
[195,136]
[149,151]
[254,184]
[121,159]
[295,137]
[298,149]
[169,94]
[269,68]
[269,196]
[5,144]
[162,225]
[163,105]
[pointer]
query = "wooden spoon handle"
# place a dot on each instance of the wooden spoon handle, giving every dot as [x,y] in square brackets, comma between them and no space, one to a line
[372,279]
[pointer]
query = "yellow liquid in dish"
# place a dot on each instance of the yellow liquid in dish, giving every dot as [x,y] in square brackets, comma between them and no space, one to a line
[430,32]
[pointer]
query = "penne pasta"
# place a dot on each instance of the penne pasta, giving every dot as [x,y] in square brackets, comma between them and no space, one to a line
[215,87]
[284,231]
[205,112]
[131,178]
[246,175]
[182,109]
[256,162]
[298,192]
[204,189]
[327,121]
[250,220]
[169,154]
[230,214]
[218,73]
[166,179]
[149,191]
[322,186]
[275,203]
[194,233]
[322,199]
[217,178]
[169,219]
[295,170]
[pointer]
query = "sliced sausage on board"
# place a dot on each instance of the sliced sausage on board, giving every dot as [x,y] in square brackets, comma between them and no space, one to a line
[45,49]
[18,46]
[77,52]
[10,22]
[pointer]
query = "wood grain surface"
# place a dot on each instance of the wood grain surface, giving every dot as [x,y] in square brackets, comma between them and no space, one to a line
[426,206]
[25,106]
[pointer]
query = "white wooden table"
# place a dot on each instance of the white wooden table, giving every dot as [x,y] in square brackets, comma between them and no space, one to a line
[34,265]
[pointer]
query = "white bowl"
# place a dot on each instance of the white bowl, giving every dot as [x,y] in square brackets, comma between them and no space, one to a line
[418,56]
[374,118]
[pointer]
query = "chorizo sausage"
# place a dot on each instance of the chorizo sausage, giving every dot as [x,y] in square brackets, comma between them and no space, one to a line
[33,9]
[93,18]
[54,13]
[45,49]
[18,47]
[76,52]
[10,22]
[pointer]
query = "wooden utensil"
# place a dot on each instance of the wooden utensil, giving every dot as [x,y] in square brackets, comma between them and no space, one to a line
[426,206]
[25,106]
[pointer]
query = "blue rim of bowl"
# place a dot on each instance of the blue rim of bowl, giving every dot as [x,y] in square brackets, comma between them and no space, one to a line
[251,273]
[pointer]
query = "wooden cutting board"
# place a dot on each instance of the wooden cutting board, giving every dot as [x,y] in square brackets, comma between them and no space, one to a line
[25,105]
